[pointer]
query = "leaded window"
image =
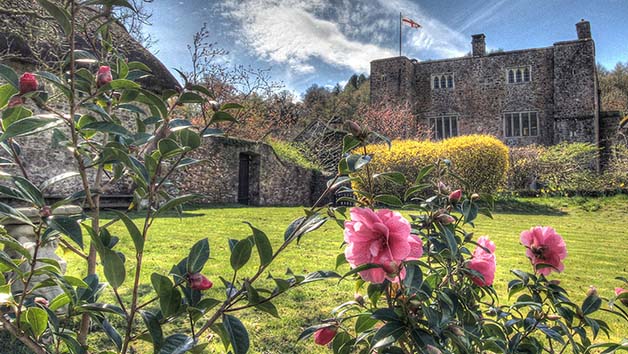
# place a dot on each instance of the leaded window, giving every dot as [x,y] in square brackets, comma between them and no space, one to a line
[521,124]
[444,127]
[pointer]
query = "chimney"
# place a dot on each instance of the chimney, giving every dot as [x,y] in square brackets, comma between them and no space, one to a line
[584,29]
[478,45]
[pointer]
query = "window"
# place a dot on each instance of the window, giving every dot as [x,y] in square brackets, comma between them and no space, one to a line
[444,127]
[521,124]
[441,81]
[519,75]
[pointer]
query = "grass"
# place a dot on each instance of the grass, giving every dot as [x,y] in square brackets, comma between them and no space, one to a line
[594,230]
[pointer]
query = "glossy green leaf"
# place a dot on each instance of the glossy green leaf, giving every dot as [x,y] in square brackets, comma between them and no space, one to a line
[168,148]
[238,336]
[241,253]
[151,320]
[60,15]
[6,92]
[29,126]
[12,115]
[176,202]
[56,179]
[68,227]
[221,116]
[56,81]
[199,254]
[169,297]
[36,319]
[133,230]
[120,84]
[177,344]
[114,269]
[191,97]
[264,248]
[189,138]
[387,334]
[10,76]
[107,127]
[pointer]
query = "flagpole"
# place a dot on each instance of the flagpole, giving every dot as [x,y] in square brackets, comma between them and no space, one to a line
[400,17]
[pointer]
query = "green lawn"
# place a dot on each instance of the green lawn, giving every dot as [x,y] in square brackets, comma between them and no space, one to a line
[594,229]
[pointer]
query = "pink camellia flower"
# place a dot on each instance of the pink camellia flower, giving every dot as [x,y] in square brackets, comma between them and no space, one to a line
[198,281]
[104,76]
[483,262]
[324,335]
[380,237]
[15,101]
[27,83]
[455,196]
[619,291]
[544,247]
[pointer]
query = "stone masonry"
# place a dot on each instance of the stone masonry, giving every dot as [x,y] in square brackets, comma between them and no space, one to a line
[561,89]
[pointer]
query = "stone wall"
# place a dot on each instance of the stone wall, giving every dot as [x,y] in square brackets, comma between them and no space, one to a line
[562,89]
[271,181]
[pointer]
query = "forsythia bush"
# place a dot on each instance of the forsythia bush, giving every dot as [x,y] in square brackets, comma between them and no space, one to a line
[481,160]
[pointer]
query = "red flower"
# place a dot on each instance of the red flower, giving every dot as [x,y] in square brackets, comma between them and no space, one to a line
[15,101]
[455,196]
[324,335]
[544,247]
[28,83]
[198,281]
[104,76]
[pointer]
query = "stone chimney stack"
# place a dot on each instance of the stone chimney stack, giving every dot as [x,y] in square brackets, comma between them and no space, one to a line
[584,29]
[479,45]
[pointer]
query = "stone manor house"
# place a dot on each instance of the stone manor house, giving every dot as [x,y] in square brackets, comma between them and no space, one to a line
[530,96]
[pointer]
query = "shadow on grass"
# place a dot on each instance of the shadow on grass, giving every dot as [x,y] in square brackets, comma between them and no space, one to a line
[524,207]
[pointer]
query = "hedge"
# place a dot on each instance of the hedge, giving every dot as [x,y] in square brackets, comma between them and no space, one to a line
[482,161]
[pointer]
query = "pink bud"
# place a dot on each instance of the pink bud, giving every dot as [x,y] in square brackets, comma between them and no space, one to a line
[455,196]
[41,301]
[432,349]
[198,281]
[15,101]
[446,219]
[45,211]
[592,291]
[324,335]
[619,291]
[28,83]
[104,76]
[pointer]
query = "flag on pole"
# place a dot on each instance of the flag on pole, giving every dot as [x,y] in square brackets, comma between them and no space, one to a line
[411,23]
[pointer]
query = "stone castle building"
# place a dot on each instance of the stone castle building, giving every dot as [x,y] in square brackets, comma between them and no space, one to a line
[530,96]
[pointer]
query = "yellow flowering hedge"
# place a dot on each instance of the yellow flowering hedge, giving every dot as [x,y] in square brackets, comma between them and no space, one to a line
[481,160]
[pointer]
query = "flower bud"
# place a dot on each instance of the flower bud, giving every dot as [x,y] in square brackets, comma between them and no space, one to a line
[430,349]
[198,281]
[553,317]
[15,101]
[442,187]
[41,301]
[446,219]
[325,335]
[358,298]
[45,211]
[103,76]
[455,196]
[592,291]
[620,291]
[457,331]
[475,197]
[353,127]
[27,83]
[554,282]
[214,105]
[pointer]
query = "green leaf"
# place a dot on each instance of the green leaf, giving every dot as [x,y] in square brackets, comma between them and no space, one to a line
[177,344]
[356,161]
[36,319]
[56,179]
[303,225]
[12,213]
[269,308]
[133,230]
[191,97]
[189,138]
[154,328]
[199,254]
[394,177]
[6,92]
[158,107]
[221,116]
[107,127]
[68,227]
[56,81]
[12,115]
[168,148]
[591,304]
[202,90]
[238,336]
[7,261]
[241,253]
[175,202]
[28,191]
[59,301]
[11,243]
[9,75]
[264,248]
[387,334]
[29,126]
[349,142]
[113,267]
[119,84]
[389,199]
[136,65]
[59,14]
[112,333]
[231,106]
[169,297]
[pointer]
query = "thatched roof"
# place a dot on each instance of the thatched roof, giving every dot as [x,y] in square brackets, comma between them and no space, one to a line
[29,36]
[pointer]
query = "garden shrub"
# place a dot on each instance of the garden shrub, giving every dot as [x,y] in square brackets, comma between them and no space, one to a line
[524,167]
[481,160]
[289,152]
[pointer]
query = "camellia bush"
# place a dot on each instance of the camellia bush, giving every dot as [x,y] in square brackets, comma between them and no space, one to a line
[424,284]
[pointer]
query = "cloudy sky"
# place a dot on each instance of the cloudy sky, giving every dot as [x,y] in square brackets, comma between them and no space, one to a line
[322,42]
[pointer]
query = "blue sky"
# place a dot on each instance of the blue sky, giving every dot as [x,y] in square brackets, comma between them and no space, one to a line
[323,42]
